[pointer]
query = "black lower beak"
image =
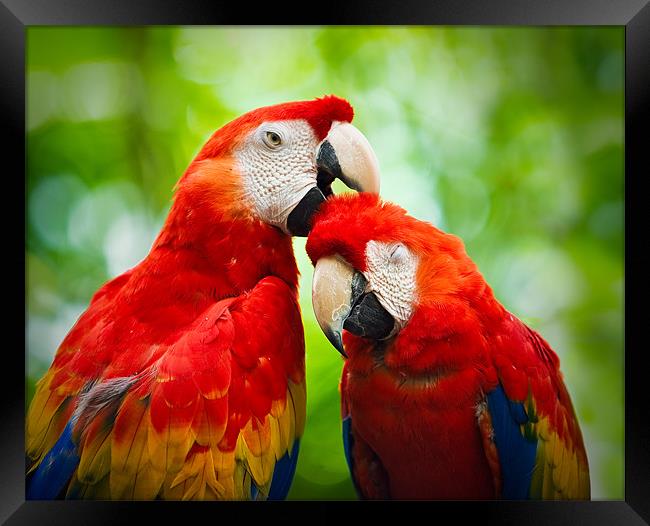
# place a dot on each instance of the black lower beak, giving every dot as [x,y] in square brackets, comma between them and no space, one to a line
[299,220]
[328,168]
[369,319]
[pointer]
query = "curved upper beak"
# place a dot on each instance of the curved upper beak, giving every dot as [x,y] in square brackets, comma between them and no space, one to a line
[340,301]
[331,297]
[344,154]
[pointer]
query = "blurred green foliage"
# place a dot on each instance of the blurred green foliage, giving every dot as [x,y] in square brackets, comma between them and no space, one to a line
[510,138]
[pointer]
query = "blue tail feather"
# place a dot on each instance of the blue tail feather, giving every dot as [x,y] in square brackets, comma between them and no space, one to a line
[55,470]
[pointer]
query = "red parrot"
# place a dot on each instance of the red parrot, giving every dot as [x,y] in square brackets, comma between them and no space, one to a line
[444,393]
[185,378]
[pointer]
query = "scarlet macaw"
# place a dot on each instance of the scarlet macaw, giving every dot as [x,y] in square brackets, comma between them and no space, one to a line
[184,378]
[444,394]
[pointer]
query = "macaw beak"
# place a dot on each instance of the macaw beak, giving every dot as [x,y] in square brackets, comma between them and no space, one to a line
[344,154]
[340,301]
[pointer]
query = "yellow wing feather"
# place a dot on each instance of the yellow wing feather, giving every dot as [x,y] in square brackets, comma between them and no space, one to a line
[146,465]
[123,455]
[561,470]
[46,418]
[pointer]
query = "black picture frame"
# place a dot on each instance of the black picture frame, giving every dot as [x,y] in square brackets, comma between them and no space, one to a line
[634,15]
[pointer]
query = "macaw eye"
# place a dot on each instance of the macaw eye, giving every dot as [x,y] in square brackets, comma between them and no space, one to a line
[272,139]
[399,253]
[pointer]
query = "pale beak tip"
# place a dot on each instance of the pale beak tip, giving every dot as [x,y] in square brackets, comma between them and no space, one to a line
[355,163]
[336,340]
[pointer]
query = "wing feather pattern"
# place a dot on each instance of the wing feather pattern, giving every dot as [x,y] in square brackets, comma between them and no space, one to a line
[541,454]
[215,414]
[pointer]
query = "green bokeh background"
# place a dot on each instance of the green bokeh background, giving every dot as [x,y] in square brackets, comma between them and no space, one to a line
[511,138]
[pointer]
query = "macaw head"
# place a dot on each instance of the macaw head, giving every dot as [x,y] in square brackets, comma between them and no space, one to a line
[377,268]
[276,164]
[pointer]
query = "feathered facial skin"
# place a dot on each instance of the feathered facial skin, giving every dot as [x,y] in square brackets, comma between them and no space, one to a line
[395,265]
[445,394]
[276,164]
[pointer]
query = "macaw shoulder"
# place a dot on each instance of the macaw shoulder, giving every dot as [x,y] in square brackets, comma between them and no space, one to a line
[267,323]
[271,293]
[268,312]
[262,325]
[525,363]
[529,373]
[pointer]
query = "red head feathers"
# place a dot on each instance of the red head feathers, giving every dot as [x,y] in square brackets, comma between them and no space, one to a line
[346,224]
[319,113]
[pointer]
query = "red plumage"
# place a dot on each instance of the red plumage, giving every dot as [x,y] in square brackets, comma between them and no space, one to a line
[319,113]
[197,353]
[417,402]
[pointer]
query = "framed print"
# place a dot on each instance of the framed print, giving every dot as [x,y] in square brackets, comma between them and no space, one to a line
[164,310]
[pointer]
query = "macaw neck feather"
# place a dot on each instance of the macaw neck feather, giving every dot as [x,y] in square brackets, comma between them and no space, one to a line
[205,253]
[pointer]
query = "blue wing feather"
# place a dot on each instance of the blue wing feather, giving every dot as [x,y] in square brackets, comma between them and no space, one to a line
[56,468]
[285,469]
[348,440]
[516,452]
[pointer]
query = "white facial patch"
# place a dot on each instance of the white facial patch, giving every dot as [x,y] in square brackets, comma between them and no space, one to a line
[390,272]
[278,165]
